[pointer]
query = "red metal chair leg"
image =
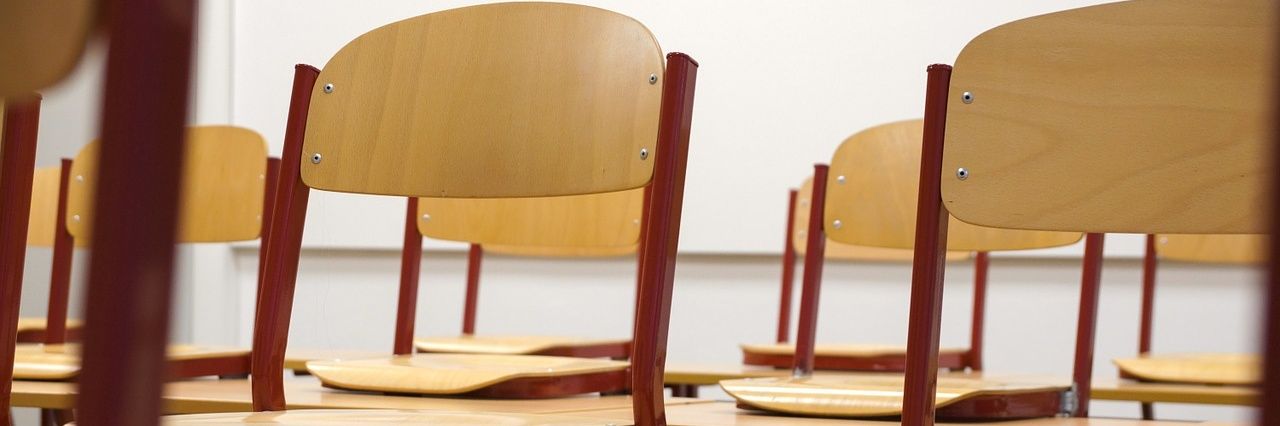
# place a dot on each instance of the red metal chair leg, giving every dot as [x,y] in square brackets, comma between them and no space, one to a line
[410,268]
[60,276]
[21,122]
[1269,401]
[815,249]
[977,325]
[272,184]
[930,259]
[661,239]
[131,271]
[475,255]
[1146,320]
[1086,327]
[275,301]
[788,272]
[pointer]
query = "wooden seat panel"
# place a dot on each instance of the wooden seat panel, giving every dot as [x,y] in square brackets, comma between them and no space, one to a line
[1207,369]
[698,374]
[1132,390]
[62,362]
[880,395]
[520,345]
[847,357]
[297,359]
[375,417]
[451,374]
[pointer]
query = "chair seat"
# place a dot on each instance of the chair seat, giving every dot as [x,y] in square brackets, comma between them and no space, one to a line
[848,357]
[1207,369]
[374,417]
[62,362]
[527,345]
[880,395]
[297,359]
[517,376]
[31,329]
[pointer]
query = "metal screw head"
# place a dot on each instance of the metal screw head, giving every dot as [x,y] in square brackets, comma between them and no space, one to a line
[967,97]
[79,178]
[836,224]
[262,177]
[75,218]
[328,88]
[315,158]
[635,221]
[962,173]
[653,79]
[840,179]
[426,217]
[644,153]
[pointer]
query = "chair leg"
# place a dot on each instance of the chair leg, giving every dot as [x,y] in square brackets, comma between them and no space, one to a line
[1148,411]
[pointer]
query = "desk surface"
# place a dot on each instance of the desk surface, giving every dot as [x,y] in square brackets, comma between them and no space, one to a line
[1129,390]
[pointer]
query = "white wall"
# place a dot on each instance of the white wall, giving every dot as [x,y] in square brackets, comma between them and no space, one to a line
[781,84]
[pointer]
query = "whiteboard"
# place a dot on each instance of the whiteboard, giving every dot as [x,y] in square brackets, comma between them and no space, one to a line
[781,83]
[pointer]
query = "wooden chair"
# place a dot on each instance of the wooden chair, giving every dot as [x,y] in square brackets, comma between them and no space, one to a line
[1088,120]
[577,226]
[1195,369]
[224,186]
[866,200]
[856,357]
[39,45]
[45,230]
[484,102]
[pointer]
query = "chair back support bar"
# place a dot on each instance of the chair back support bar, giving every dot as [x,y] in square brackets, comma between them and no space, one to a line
[872,189]
[1142,116]
[223,182]
[42,41]
[608,220]
[1242,249]
[17,168]
[410,108]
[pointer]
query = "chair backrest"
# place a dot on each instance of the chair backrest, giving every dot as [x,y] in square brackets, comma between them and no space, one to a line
[437,106]
[872,190]
[608,220]
[841,251]
[1245,249]
[44,206]
[545,251]
[1144,116]
[223,181]
[41,41]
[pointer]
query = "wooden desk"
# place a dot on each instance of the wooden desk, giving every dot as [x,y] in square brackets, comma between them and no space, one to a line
[726,414]
[710,374]
[1129,390]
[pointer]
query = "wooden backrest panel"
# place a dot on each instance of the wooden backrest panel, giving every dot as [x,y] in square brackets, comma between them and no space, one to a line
[41,41]
[222,186]
[1145,116]
[545,251]
[841,251]
[872,190]
[1247,249]
[44,206]
[607,220]
[489,101]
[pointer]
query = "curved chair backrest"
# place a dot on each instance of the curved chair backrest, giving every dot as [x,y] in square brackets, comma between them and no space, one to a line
[1145,117]
[872,189]
[608,220]
[41,41]
[222,186]
[438,106]
[840,251]
[1244,249]
[44,206]
[544,251]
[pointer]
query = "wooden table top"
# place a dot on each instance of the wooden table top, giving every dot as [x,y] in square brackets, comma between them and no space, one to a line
[1129,390]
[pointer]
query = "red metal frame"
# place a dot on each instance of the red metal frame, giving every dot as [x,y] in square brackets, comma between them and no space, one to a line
[788,271]
[475,255]
[1149,261]
[661,239]
[17,165]
[275,301]
[272,183]
[60,277]
[955,361]
[140,165]
[410,268]
[930,259]
[815,249]
[1269,401]
[980,265]
[1087,324]
[644,230]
